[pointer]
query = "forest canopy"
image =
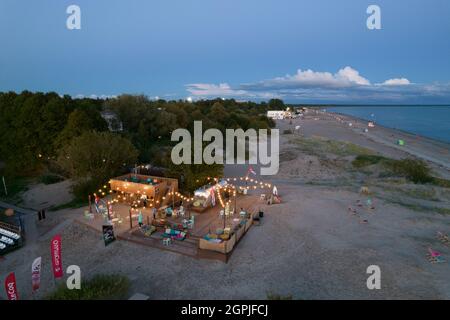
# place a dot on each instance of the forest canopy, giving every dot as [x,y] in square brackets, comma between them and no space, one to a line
[38,130]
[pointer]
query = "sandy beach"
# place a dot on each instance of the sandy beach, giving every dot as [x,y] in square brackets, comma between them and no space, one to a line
[317,244]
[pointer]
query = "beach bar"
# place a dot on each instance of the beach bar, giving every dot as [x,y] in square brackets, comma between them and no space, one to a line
[151,186]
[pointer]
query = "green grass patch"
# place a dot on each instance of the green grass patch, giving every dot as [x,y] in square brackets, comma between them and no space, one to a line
[442,210]
[364,160]
[418,207]
[428,194]
[321,146]
[444,183]
[414,170]
[100,287]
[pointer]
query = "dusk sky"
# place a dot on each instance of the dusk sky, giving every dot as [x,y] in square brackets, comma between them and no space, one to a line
[300,51]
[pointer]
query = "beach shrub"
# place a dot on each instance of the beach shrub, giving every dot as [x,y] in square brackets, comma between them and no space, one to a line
[443,210]
[415,170]
[97,155]
[83,188]
[444,183]
[100,287]
[364,160]
[320,146]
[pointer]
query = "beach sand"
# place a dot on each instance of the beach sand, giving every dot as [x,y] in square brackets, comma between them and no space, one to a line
[309,247]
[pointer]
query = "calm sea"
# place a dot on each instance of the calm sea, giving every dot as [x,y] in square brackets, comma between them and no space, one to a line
[428,121]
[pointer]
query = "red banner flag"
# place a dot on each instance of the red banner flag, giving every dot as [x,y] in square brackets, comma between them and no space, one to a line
[36,273]
[11,288]
[56,256]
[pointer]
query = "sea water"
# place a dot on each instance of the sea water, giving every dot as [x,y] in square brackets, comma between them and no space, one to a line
[428,121]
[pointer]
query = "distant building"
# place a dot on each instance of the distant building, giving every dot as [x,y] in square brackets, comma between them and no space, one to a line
[275,114]
[114,123]
[279,114]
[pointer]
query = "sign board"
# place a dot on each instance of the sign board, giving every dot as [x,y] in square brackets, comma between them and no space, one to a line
[108,234]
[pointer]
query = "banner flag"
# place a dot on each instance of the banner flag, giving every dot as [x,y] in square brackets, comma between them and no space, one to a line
[36,273]
[56,256]
[11,287]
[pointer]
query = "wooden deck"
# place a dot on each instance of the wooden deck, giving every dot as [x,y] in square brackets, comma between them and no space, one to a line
[205,222]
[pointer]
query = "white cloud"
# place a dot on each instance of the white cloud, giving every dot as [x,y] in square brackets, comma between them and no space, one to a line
[352,75]
[344,78]
[213,90]
[345,85]
[397,82]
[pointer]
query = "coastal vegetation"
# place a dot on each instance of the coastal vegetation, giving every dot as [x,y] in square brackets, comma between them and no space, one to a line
[413,170]
[407,182]
[100,287]
[321,147]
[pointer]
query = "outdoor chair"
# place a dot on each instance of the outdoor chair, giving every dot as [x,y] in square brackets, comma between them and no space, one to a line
[174,234]
[88,215]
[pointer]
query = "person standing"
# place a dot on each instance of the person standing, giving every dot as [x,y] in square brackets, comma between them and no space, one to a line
[140,218]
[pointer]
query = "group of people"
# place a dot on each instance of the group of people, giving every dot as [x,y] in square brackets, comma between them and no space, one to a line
[144,200]
[141,216]
[154,211]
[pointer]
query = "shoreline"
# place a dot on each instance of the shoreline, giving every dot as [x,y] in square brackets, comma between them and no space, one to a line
[382,139]
[412,134]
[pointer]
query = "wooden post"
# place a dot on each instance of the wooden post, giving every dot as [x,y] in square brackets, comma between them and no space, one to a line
[107,207]
[224,218]
[235,202]
[90,204]
[189,206]
[173,198]
[131,221]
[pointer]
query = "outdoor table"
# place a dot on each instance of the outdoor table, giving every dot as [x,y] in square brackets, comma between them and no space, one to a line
[167,241]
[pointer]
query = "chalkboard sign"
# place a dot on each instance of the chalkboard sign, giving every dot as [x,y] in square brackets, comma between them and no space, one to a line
[108,234]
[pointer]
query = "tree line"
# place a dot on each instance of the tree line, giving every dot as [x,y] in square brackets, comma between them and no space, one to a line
[47,132]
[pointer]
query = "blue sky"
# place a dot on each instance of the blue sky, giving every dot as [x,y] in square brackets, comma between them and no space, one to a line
[300,51]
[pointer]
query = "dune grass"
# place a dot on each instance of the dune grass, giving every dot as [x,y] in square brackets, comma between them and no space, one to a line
[100,287]
[413,170]
[320,146]
[365,160]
